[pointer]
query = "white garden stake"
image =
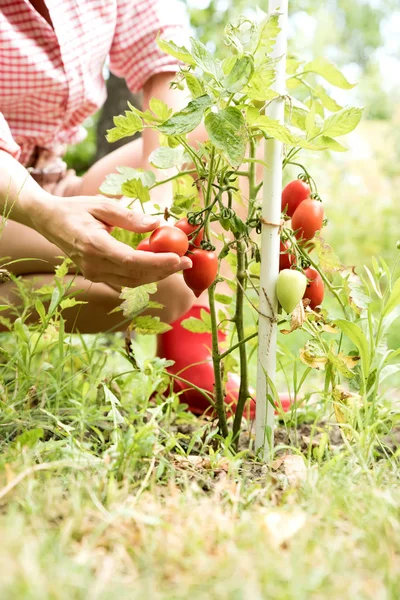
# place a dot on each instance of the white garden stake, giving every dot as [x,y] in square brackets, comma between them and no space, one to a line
[271,213]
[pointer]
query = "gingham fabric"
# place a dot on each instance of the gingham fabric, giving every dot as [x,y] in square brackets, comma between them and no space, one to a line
[51,78]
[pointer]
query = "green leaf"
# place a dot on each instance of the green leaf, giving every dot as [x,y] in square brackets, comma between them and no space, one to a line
[196,325]
[187,119]
[328,261]
[125,126]
[259,85]
[327,70]
[325,142]
[135,300]
[195,85]
[70,303]
[204,60]
[394,299]
[312,128]
[112,186]
[165,157]
[222,299]
[268,32]
[275,130]
[240,74]
[148,325]
[227,132]
[29,438]
[357,336]
[327,102]
[134,188]
[160,109]
[342,122]
[179,52]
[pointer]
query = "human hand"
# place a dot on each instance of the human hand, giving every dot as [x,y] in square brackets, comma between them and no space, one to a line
[81,227]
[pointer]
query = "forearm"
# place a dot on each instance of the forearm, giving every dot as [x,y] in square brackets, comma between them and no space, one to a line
[21,198]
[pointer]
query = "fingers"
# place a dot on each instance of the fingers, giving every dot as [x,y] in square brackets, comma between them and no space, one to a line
[113,214]
[134,266]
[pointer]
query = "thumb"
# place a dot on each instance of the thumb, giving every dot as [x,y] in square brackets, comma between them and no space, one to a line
[114,215]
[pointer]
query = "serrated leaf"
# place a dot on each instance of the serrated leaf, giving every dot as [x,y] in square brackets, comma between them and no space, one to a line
[179,52]
[327,70]
[259,86]
[112,186]
[187,119]
[195,85]
[240,74]
[268,31]
[327,102]
[312,356]
[160,109]
[227,132]
[134,188]
[196,325]
[342,122]
[328,261]
[166,158]
[204,60]
[135,300]
[125,126]
[148,325]
[343,363]
[357,336]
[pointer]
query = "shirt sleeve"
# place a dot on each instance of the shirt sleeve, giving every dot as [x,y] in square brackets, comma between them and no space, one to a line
[7,142]
[134,53]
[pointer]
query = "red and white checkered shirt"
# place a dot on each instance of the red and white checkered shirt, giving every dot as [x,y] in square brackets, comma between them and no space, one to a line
[52,79]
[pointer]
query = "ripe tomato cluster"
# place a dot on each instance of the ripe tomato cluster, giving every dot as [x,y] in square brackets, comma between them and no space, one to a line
[307,216]
[179,239]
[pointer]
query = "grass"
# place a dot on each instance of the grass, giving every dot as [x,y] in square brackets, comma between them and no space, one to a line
[105,493]
[75,531]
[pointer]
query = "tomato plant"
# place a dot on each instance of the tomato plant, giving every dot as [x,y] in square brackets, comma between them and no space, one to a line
[203,272]
[290,288]
[169,239]
[307,219]
[189,229]
[231,100]
[293,194]
[315,289]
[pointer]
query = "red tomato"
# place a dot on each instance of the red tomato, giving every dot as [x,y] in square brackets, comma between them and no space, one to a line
[169,239]
[315,288]
[144,245]
[293,194]
[187,228]
[286,259]
[285,403]
[203,271]
[308,219]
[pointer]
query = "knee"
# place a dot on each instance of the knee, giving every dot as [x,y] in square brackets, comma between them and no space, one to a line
[175,297]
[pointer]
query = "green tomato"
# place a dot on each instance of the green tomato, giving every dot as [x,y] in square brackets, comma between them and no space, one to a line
[290,288]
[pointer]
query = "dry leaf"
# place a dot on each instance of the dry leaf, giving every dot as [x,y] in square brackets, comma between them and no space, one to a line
[295,469]
[349,361]
[297,319]
[282,526]
[309,357]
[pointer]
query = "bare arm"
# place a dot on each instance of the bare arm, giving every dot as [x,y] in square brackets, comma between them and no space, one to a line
[81,227]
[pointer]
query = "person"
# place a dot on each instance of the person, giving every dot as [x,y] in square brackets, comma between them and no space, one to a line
[52,57]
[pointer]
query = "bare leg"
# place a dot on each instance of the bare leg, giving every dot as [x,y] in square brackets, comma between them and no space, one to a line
[101,299]
[19,242]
